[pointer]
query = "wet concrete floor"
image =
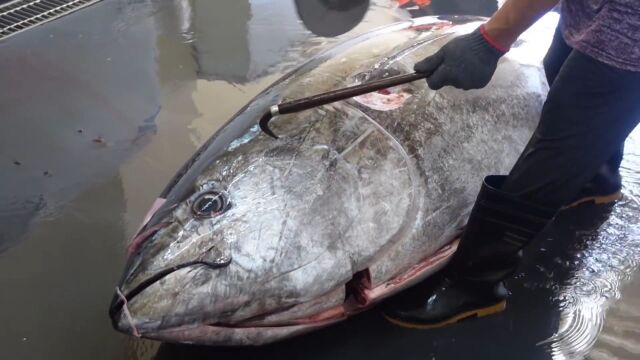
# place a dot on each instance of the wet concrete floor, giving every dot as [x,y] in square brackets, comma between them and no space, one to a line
[101,107]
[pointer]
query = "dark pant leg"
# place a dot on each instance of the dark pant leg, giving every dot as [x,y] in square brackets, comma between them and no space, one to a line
[556,56]
[553,61]
[590,110]
[616,159]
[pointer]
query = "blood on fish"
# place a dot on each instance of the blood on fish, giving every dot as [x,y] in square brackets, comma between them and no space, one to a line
[385,99]
[435,26]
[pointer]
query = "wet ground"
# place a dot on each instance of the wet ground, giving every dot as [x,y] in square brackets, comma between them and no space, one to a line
[101,107]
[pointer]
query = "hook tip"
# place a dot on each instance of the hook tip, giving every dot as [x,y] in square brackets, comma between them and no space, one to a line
[264,125]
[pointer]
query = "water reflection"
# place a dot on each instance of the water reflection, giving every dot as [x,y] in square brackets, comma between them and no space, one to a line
[245,41]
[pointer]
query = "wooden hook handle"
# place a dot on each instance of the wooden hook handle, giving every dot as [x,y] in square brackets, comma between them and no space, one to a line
[345,93]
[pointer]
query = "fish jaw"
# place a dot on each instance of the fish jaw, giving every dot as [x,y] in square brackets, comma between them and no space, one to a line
[261,330]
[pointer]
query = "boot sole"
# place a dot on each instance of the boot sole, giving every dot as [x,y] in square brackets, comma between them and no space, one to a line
[598,200]
[490,310]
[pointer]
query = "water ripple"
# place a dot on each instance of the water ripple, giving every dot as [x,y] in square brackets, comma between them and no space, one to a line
[606,263]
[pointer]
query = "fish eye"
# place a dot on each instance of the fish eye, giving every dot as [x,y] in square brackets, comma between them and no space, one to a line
[210,204]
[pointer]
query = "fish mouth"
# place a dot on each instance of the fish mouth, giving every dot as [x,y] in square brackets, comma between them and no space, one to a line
[360,295]
[123,321]
[118,309]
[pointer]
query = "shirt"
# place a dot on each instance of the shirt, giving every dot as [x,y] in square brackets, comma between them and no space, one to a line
[607,30]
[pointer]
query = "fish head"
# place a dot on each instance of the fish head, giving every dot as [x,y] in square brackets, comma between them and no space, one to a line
[266,226]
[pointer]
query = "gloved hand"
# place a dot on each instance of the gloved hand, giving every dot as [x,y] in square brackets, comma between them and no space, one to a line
[466,62]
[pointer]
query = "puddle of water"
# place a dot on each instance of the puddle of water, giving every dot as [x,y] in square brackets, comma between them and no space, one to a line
[620,333]
[597,303]
[101,107]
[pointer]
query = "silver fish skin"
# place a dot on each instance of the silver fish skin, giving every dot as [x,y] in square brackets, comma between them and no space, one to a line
[257,239]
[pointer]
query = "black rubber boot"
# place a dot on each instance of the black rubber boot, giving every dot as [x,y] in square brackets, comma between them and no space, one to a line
[447,301]
[604,188]
[490,250]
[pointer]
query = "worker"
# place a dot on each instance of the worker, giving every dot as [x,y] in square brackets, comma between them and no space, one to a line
[573,157]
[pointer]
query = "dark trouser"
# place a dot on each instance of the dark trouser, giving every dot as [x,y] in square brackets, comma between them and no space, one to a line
[590,110]
[556,56]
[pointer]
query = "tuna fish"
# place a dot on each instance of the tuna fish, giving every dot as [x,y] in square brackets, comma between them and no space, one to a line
[258,239]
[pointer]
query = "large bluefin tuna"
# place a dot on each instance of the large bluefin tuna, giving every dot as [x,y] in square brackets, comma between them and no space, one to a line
[259,239]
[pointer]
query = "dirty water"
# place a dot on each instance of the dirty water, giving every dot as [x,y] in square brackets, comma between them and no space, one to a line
[101,107]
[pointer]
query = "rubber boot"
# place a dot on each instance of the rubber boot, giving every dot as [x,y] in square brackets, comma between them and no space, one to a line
[445,301]
[604,188]
[490,250]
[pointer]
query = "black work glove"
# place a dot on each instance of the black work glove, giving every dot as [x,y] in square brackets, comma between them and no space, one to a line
[466,62]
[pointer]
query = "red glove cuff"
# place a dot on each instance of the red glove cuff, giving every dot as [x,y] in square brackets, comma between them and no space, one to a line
[491,41]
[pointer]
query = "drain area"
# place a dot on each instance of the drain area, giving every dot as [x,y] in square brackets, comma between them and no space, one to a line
[20,15]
